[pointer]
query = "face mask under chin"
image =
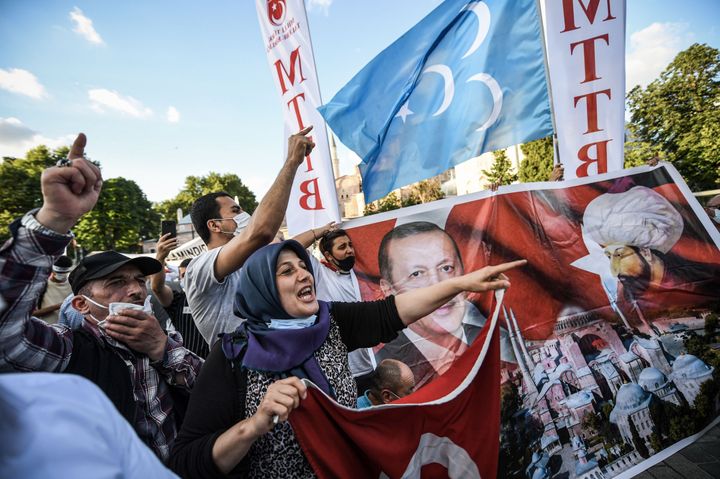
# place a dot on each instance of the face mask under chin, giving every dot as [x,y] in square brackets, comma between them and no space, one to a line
[345,264]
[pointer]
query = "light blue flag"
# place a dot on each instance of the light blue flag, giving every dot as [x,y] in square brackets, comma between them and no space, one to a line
[469,78]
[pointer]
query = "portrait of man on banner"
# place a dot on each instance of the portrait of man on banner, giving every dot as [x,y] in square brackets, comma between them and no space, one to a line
[621,271]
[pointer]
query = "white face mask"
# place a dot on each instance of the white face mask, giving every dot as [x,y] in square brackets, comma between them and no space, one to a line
[61,277]
[115,308]
[295,323]
[241,220]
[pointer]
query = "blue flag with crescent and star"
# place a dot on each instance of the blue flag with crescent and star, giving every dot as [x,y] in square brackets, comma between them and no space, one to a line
[467,79]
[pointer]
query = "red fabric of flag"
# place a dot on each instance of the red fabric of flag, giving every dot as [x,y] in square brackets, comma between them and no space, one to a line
[449,428]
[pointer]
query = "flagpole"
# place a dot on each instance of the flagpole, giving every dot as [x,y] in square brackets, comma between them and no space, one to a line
[556,149]
[317,80]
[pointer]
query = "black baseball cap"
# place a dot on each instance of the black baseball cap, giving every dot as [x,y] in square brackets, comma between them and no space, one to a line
[99,265]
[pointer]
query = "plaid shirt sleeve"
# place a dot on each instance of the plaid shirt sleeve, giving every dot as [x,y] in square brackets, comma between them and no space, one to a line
[180,366]
[27,343]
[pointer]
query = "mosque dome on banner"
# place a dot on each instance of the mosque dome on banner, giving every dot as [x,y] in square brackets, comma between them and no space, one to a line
[630,399]
[652,379]
[687,366]
[572,318]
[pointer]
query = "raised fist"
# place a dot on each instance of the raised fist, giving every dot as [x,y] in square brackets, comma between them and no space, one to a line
[69,191]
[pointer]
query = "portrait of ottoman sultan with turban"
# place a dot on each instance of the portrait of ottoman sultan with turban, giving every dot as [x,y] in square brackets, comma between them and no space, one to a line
[638,229]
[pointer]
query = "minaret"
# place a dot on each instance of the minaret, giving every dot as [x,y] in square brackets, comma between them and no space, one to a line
[334,157]
[528,358]
[528,380]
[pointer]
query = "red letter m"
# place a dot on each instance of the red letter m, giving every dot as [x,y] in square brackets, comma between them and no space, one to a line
[283,73]
[590,12]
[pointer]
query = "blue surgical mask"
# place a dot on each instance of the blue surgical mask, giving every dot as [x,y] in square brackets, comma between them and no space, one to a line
[716,216]
[295,323]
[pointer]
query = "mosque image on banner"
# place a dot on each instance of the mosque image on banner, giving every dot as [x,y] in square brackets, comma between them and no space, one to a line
[606,357]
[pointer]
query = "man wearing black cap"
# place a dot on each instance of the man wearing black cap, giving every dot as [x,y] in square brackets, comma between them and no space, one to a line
[120,346]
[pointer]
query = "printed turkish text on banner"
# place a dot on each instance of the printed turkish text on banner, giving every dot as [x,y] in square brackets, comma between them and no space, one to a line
[586,55]
[286,35]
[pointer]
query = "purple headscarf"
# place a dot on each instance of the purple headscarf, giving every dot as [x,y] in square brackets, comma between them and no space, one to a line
[286,352]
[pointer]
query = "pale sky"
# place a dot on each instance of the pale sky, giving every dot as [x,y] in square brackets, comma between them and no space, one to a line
[166,89]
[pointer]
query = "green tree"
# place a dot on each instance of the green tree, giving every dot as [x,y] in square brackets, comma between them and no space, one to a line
[196,186]
[538,162]
[711,324]
[677,117]
[681,425]
[424,192]
[638,152]
[637,441]
[705,402]
[421,192]
[121,219]
[518,430]
[388,203]
[656,442]
[501,171]
[20,183]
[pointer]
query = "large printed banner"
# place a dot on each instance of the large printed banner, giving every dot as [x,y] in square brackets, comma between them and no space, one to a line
[605,356]
[586,56]
[286,36]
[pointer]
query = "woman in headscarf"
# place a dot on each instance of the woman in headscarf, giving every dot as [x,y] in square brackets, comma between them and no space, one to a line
[236,422]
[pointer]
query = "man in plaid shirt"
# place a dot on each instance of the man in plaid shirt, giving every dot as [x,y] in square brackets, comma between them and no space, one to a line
[144,371]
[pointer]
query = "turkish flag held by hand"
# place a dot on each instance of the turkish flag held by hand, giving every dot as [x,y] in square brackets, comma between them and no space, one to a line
[449,428]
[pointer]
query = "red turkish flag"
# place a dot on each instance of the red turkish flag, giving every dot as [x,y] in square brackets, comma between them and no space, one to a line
[449,428]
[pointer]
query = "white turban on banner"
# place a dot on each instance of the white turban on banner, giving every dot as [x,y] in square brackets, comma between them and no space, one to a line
[639,217]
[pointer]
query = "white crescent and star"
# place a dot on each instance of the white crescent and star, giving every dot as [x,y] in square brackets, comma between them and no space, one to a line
[434,449]
[404,111]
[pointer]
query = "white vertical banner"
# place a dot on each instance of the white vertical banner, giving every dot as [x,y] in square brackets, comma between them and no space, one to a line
[286,35]
[586,56]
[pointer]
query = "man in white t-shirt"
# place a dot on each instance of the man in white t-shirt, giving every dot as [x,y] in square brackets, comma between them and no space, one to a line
[232,236]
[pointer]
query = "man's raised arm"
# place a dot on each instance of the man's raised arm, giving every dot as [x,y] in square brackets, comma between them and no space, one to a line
[69,190]
[269,214]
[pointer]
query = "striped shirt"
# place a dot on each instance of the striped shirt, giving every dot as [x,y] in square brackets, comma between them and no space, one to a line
[30,344]
[182,320]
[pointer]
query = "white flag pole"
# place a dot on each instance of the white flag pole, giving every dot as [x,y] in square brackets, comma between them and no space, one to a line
[556,150]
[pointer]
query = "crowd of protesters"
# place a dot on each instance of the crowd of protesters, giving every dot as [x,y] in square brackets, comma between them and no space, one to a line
[208,391]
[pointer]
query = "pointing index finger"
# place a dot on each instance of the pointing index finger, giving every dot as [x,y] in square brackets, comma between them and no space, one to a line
[501,268]
[305,130]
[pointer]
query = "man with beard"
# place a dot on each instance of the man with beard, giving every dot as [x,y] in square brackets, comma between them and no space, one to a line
[637,229]
[419,254]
